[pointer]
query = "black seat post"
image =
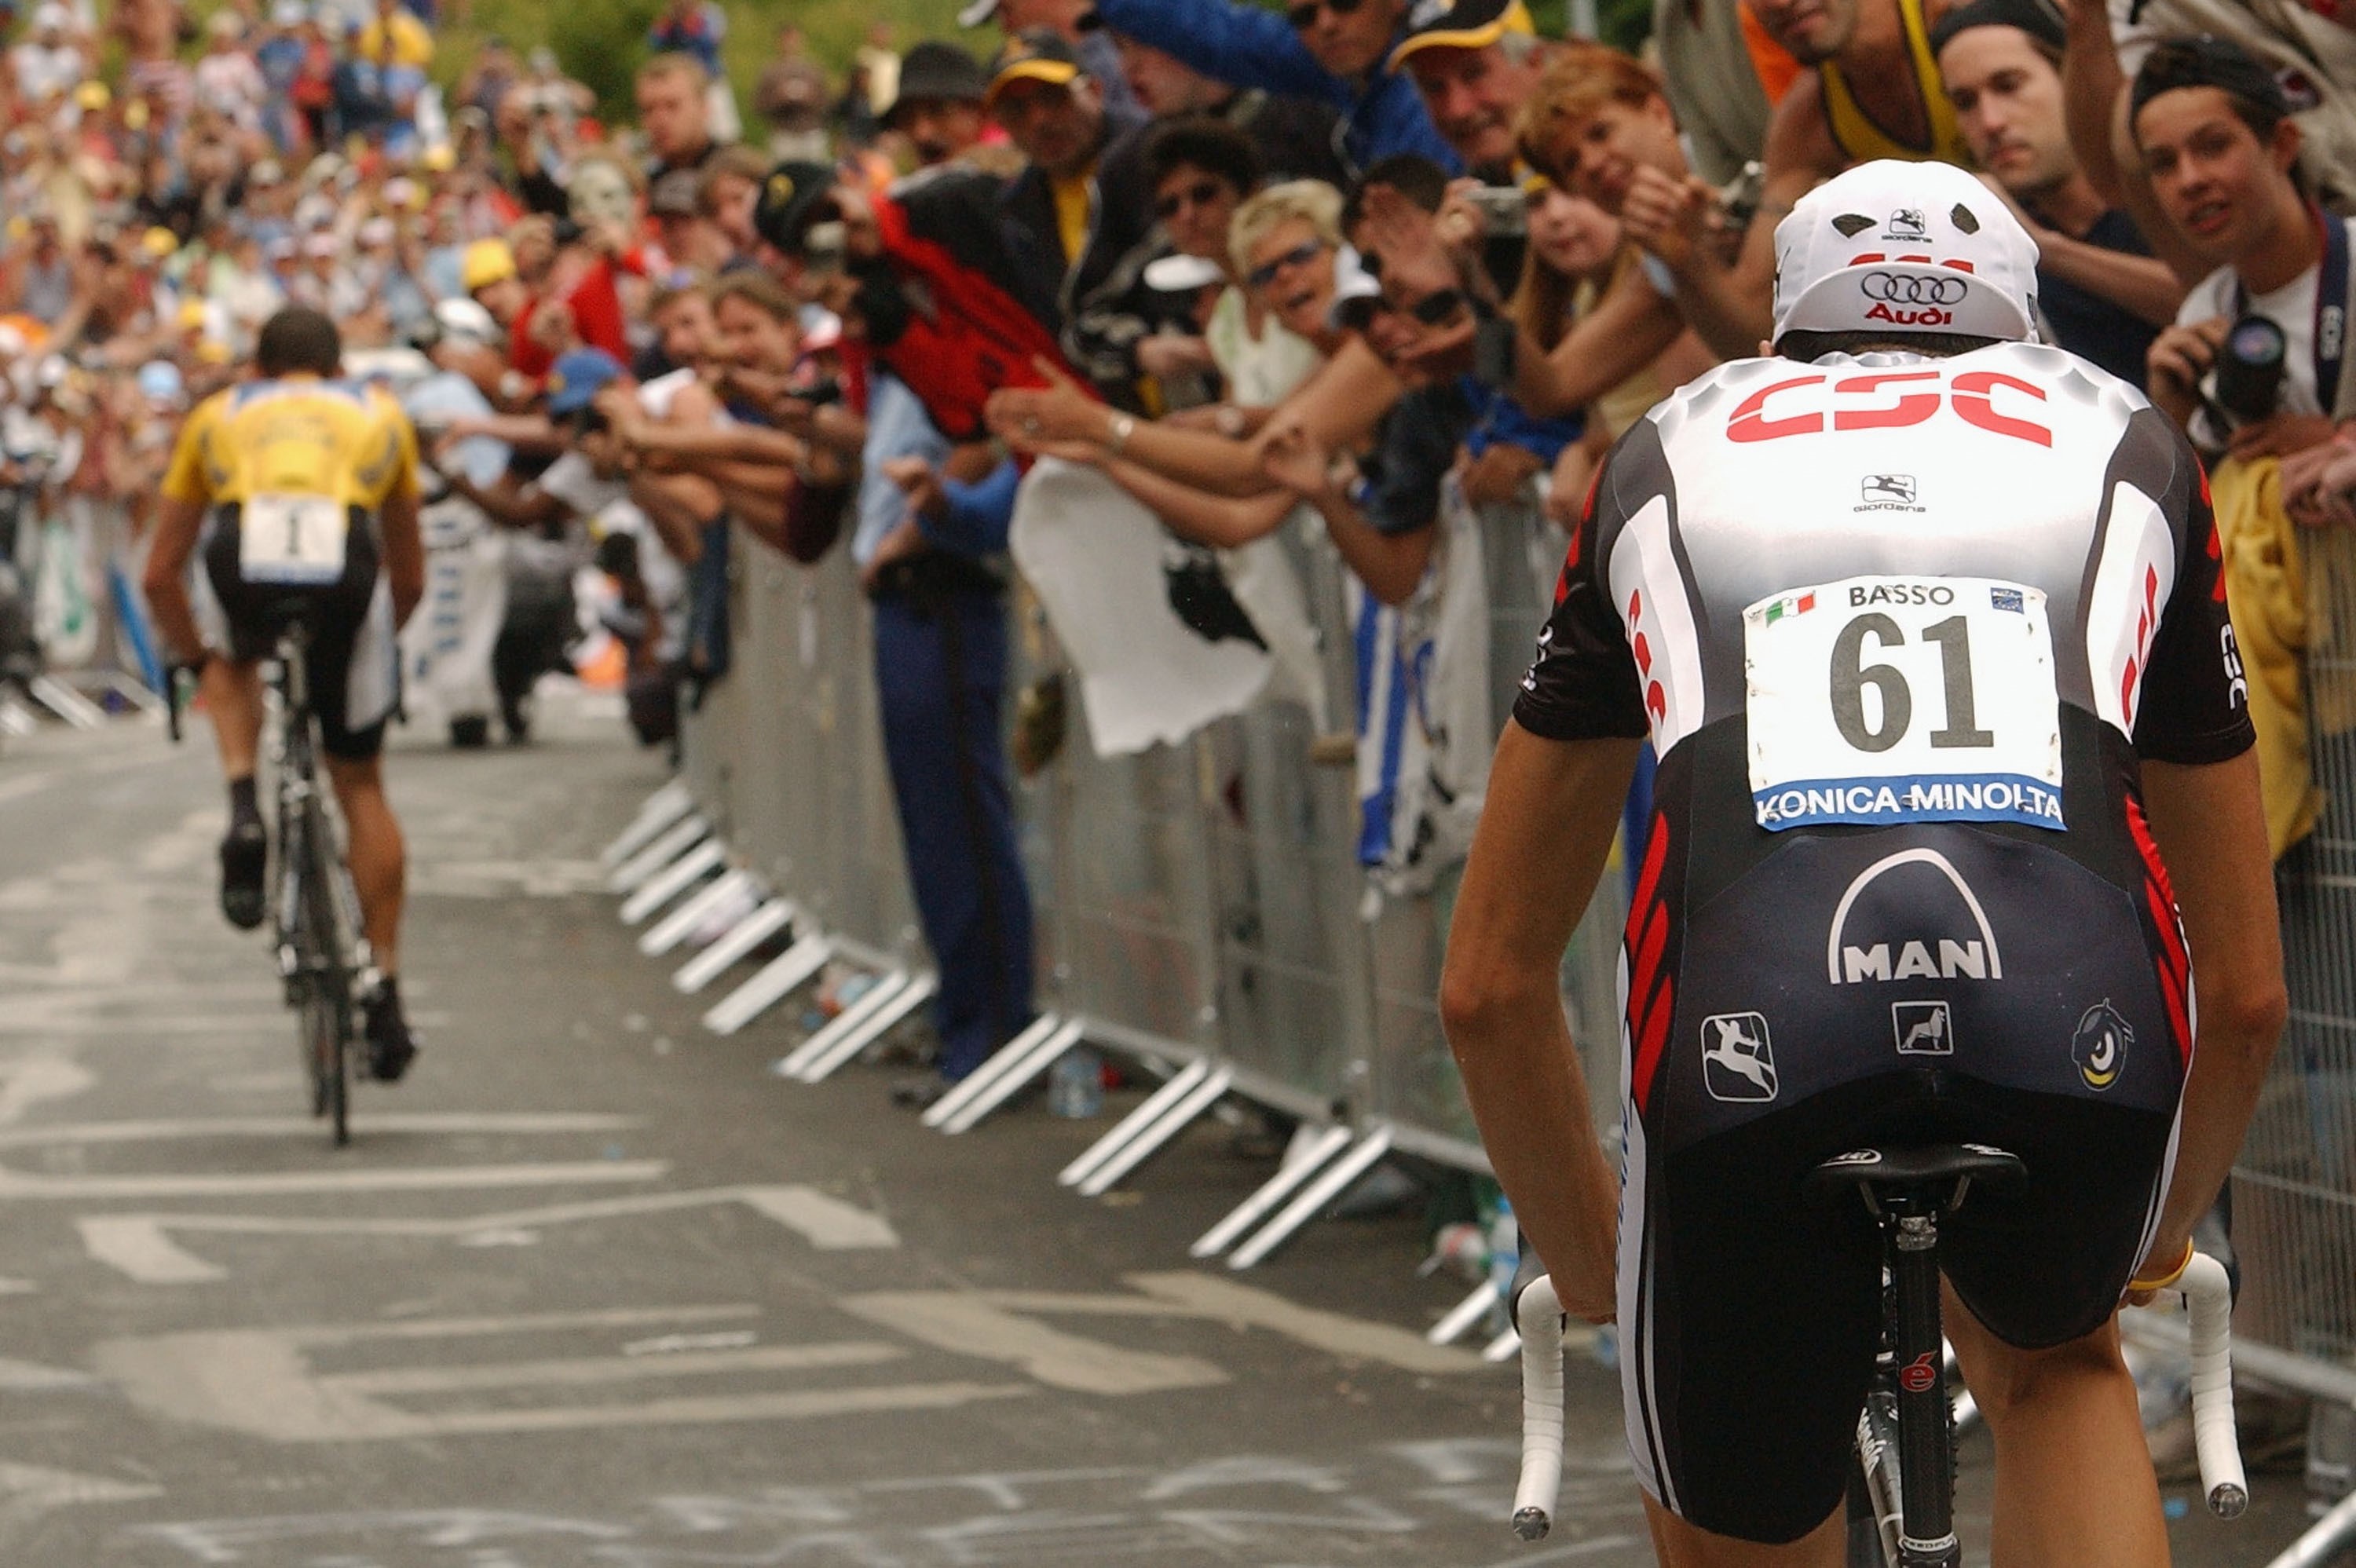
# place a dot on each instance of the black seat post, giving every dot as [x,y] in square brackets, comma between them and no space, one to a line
[1925,1441]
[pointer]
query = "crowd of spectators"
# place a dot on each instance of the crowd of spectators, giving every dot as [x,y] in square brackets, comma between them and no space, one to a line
[1353,260]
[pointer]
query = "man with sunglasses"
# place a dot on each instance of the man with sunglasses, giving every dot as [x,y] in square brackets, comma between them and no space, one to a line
[1335,52]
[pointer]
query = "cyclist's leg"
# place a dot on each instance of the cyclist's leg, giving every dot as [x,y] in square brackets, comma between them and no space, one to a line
[2073,1480]
[378,856]
[232,696]
[1679,1544]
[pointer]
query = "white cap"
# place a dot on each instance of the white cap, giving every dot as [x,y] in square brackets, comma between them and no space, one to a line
[1183,274]
[975,15]
[467,319]
[1903,248]
[1352,283]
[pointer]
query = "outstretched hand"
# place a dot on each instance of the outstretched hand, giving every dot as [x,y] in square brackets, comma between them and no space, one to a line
[1026,417]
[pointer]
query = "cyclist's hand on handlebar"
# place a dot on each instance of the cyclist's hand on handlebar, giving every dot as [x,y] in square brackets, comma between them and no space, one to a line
[2162,1267]
[1532,1267]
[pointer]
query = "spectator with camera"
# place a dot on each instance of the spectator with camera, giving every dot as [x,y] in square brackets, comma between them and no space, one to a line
[2256,364]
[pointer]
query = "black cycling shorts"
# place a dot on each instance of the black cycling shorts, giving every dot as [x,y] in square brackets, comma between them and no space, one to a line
[1927,985]
[337,613]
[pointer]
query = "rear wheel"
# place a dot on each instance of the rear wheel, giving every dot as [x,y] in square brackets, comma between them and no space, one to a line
[326,1010]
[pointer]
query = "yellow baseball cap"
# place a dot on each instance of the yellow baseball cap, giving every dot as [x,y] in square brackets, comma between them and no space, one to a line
[440,159]
[92,97]
[159,242]
[485,261]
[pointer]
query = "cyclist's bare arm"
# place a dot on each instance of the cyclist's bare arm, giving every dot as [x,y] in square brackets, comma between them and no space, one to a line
[2211,831]
[177,524]
[1544,835]
[404,551]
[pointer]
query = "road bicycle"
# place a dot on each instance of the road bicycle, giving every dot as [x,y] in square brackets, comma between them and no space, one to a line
[315,914]
[1901,1493]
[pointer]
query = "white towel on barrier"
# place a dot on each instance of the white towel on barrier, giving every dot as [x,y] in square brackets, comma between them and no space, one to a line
[1425,732]
[1100,564]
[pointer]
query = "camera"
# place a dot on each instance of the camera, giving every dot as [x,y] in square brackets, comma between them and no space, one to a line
[1505,210]
[2250,369]
[1738,199]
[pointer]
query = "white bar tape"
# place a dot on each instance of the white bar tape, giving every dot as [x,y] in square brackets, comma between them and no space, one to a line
[1540,1316]
[2209,1308]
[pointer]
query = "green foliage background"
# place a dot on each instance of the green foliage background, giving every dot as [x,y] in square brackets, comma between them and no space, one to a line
[602,41]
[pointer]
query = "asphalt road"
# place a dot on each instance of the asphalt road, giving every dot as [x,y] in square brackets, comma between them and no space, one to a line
[596,1287]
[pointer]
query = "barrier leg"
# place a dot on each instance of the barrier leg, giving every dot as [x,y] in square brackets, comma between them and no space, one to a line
[679,923]
[788,972]
[1153,1108]
[660,809]
[1141,1148]
[65,702]
[1329,1184]
[673,879]
[772,917]
[2323,1542]
[675,841]
[1464,1314]
[997,1081]
[1272,1192]
[869,1018]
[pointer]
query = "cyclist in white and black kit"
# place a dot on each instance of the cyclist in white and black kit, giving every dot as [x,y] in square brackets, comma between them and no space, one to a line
[1925,621]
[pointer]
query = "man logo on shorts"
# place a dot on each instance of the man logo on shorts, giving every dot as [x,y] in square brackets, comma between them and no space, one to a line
[2100,1046]
[1738,1063]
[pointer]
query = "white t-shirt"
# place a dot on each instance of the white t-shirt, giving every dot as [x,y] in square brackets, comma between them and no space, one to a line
[1262,371]
[2290,307]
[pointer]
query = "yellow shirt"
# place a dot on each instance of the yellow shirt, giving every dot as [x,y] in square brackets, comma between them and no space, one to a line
[412,44]
[1074,200]
[299,436]
[1855,134]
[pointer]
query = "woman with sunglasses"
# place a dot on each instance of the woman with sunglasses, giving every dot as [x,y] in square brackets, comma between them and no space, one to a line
[1272,334]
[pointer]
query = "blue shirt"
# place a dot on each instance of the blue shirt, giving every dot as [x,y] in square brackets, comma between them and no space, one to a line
[897,426]
[1249,47]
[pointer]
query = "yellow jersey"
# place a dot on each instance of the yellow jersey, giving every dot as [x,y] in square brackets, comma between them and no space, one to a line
[1854,130]
[295,436]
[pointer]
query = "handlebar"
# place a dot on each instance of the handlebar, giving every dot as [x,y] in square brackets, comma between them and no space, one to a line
[2209,1308]
[1537,1313]
[2209,1312]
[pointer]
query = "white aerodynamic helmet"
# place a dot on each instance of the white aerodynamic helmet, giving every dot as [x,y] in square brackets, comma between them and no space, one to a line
[1903,247]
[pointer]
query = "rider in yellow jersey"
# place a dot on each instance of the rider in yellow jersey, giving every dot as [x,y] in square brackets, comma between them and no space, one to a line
[299,486]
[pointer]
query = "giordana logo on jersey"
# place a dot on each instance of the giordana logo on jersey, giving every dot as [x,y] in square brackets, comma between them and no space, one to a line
[1738,1059]
[1910,916]
[2099,1047]
[1887,489]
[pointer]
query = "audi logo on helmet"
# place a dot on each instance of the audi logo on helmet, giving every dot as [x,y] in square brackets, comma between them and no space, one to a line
[1913,288]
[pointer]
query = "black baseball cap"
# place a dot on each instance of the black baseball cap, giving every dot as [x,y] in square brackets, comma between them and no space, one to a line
[1460,24]
[939,73]
[2204,59]
[1034,54]
[794,195]
[2035,17]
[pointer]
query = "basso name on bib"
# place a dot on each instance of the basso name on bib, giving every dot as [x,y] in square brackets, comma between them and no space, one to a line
[1890,700]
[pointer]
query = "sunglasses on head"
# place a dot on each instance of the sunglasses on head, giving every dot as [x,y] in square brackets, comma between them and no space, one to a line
[1202,193]
[1300,255]
[1303,17]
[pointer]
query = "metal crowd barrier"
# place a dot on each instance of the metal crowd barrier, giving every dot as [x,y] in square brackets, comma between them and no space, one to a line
[1200,908]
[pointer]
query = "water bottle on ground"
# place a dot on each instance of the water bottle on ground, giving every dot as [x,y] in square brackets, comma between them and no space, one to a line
[1076,1086]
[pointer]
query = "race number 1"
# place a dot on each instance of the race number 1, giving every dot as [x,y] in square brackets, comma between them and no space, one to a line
[1885,700]
[291,539]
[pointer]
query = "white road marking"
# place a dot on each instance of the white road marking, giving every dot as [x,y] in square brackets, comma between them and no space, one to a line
[439,1122]
[433,1178]
[32,1080]
[261,1382]
[31,1377]
[139,1245]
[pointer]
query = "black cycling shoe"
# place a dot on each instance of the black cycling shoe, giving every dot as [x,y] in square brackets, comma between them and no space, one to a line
[244,860]
[391,1048]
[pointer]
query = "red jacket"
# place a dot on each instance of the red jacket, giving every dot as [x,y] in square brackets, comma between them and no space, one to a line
[945,306]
